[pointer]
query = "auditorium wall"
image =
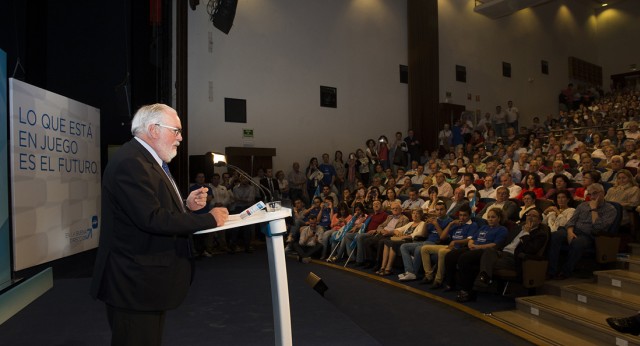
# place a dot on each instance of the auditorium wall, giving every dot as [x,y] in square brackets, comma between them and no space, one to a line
[277,55]
[551,32]
[617,37]
[280,52]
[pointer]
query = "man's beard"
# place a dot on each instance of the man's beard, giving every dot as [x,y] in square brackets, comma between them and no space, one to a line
[168,155]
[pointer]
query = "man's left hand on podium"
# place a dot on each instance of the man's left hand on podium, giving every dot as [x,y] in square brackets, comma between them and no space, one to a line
[221,215]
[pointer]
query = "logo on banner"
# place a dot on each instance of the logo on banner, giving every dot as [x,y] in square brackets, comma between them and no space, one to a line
[83,234]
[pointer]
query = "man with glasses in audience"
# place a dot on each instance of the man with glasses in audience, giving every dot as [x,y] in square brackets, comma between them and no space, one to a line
[384,230]
[530,241]
[590,218]
[509,208]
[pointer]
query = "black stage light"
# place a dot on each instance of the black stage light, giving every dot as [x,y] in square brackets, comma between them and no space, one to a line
[316,283]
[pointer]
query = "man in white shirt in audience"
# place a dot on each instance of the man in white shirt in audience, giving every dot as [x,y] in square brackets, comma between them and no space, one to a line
[558,168]
[489,191]
[506,181]
[444,189]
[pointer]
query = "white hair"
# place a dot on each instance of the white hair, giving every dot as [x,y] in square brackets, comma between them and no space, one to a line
[148,115]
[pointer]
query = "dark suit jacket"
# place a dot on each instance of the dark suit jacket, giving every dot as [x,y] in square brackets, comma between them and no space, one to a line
[276,188]
[143,258]
[454,212]
[534,243]
[510,210]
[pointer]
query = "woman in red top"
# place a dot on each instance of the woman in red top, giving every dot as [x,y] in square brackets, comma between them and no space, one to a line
[588,178]
[532,183]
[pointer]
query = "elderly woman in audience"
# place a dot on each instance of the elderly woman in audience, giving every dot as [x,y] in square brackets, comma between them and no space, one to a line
[558,215]
[529,202]
[560,182]
[626,192]
[466,260]
[532,183]
[629,149]
[588,178]
[609,152]
[414,230]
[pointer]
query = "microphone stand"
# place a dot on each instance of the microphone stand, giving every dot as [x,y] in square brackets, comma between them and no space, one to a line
[264,191]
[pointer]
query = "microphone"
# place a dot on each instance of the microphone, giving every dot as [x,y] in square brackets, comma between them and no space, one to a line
[266,192]
[220,160]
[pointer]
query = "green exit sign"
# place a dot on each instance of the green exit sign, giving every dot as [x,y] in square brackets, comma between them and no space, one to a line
[247,133]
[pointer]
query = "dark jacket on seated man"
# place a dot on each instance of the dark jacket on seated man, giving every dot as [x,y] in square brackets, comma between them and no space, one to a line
[530,240]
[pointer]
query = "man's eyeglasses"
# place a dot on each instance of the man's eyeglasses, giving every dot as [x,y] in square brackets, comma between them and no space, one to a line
[176,131]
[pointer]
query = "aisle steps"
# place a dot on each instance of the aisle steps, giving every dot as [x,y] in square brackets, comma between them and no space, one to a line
[578,315]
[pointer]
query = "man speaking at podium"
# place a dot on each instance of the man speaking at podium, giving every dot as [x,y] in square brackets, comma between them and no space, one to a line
[143,266]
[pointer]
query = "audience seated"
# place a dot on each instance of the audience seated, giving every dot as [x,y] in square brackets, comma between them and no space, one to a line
[465,261]
[310,242]
[434,234]
[444,189]
[456,203]
[371,244]
[538,166]
[589,219]
[558,215]
[560,182]
[532,183]
[506,181]
[530,241]
[455,235]
[529,202]
[502,202]
[626,192]
[411,231]
[414,202]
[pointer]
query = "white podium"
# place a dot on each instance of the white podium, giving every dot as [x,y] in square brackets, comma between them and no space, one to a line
[276,229]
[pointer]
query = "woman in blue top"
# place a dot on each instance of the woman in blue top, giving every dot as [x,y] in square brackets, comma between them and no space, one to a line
[466,260]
